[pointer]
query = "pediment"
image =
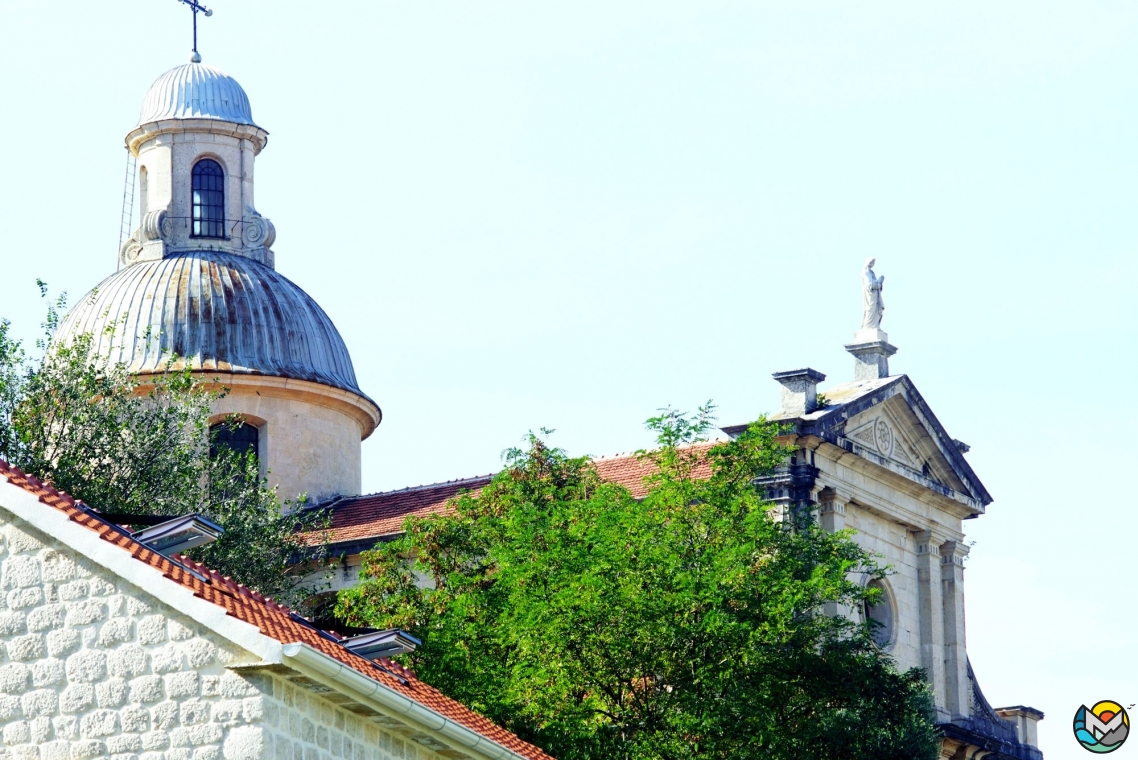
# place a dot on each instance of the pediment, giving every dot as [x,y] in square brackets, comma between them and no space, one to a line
[888,422]
[893,431]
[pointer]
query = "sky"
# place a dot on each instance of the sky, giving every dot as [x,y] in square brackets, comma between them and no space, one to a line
[568,215]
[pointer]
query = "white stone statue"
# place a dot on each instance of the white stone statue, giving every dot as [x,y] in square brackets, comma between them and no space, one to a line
[871,286]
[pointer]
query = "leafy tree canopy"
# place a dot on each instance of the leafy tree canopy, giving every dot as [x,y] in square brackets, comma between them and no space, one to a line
[686,624]
[141,446]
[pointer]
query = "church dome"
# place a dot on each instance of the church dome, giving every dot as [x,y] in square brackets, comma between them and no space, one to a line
[196,91]
[215,312]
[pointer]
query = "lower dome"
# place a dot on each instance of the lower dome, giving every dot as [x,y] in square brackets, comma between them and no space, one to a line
[213,312]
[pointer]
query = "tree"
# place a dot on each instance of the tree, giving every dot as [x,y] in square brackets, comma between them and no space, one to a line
[141,446]
[687,624]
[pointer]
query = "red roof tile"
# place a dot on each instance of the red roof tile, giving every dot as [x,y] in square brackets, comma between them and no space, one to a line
[382,514]
[272,619]
[375,516]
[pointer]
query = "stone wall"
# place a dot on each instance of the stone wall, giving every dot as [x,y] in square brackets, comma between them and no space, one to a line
[309,440]
[92,667]
[896,548]
[300,725]
[923,546]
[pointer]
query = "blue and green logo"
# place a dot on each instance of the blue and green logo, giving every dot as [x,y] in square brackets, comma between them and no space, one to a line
[1102,728]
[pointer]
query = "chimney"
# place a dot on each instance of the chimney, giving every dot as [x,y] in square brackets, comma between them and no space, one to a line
[799,391]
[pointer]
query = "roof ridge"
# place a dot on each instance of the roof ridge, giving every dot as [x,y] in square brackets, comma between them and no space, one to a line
[422,487]
[474,478]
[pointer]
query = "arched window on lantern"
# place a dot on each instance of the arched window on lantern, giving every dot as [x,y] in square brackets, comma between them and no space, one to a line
[208,213]
[143,192]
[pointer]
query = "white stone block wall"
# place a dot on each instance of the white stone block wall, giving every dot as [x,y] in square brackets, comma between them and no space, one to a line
[92,667]
[896,549]
[300,725]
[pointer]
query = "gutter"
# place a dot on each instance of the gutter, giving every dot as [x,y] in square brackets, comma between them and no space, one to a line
[393,702]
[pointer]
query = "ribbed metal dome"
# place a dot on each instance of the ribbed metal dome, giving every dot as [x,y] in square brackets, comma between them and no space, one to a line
[196,91]
[216,312]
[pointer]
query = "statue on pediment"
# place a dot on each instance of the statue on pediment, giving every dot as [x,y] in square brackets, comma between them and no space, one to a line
[871,292]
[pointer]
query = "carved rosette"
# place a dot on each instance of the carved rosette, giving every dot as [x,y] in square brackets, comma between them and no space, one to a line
[883,435]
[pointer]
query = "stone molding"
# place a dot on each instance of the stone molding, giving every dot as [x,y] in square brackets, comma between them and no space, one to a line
[360,409]
[960,507]
[257,231]
[954,552]
[833,499]
[146,132]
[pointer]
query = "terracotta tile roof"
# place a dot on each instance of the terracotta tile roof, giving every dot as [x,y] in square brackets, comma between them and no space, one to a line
[272,619]
[630,471]
[382,514]
[379,515]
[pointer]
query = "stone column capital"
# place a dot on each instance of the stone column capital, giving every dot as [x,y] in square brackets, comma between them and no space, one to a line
[832,507]
[953,553]
[929,542]
[835,495]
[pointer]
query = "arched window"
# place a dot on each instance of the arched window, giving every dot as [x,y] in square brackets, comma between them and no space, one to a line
[208,200]
[241,438]
[143,192]
[881,613]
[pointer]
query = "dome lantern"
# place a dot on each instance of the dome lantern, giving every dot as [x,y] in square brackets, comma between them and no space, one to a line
[196,143]
[196,289]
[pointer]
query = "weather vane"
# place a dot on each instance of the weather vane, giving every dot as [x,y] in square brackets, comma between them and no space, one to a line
[196,7]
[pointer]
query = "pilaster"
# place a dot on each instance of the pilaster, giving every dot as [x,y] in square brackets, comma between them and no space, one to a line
[957,686]
[931,612]
[832,518]
[832,509]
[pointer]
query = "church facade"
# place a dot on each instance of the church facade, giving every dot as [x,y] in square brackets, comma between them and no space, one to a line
[196,288]
[870,455]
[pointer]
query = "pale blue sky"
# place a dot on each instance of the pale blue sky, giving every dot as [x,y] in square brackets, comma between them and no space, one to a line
[567,215]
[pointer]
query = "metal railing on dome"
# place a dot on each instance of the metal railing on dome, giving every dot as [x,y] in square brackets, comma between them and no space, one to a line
[250,231]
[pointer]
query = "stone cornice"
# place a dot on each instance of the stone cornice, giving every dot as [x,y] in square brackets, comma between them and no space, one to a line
[912,520]
[360,409]
[140,134]
[912,484]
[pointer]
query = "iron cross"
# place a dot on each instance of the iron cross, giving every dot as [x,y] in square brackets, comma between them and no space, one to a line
[195,6]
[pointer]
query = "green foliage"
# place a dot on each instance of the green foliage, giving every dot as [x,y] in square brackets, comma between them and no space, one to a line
[125,444]
[687,624]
